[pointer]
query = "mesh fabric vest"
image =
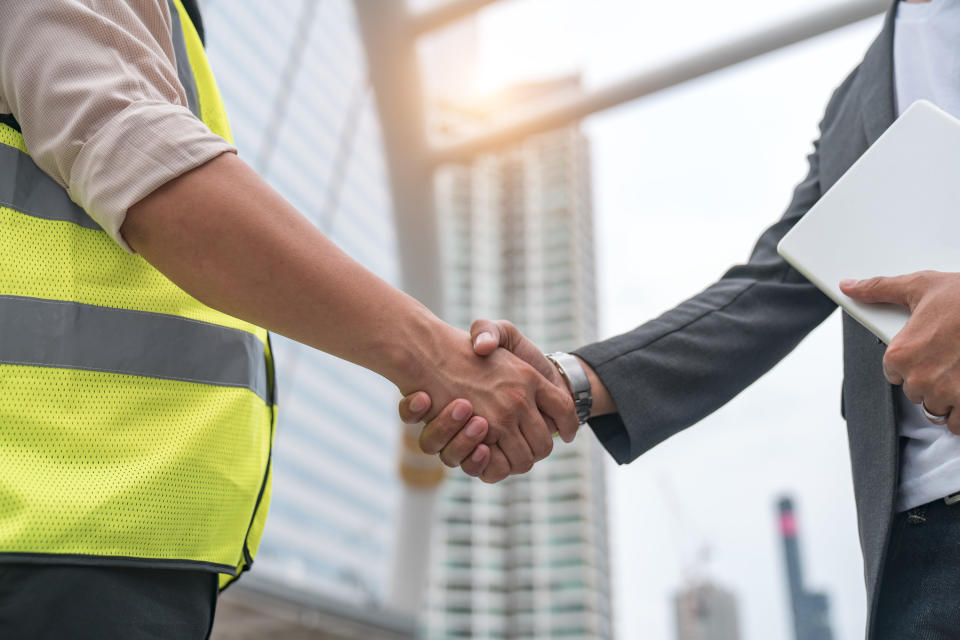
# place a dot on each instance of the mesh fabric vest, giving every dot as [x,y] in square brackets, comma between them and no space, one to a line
[135,422]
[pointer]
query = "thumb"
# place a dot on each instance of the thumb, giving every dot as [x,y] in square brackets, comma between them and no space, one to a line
[487,336]
[897,290]
[557,405]
[414,407]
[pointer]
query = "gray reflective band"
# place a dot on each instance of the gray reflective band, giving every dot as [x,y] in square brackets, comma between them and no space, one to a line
[26,188]
[184,71]
[71,335]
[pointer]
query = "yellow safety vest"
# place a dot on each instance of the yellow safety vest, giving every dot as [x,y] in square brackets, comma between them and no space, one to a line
[135,422]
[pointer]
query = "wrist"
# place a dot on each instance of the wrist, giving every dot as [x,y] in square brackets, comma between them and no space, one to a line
[419,348]
[602,401]
[575,380]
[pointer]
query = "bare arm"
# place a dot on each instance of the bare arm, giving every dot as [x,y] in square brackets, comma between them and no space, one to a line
[224,236]
[232,242]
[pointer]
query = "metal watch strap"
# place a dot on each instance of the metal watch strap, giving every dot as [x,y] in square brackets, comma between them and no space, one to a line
[576,380]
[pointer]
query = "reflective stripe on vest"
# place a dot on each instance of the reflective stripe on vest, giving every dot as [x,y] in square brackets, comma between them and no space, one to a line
[137,423]
[70,335]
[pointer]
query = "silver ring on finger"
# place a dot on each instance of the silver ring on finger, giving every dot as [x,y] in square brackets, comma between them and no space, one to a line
[932,417]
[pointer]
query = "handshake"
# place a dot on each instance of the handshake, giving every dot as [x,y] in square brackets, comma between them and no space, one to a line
[507,418]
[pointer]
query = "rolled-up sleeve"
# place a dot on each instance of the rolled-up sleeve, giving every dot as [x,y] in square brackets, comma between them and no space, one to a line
[96,93]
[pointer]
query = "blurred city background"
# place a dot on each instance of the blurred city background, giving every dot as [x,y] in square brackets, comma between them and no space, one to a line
[569,165]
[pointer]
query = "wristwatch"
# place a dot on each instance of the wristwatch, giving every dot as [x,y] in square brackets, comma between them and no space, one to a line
[576,380]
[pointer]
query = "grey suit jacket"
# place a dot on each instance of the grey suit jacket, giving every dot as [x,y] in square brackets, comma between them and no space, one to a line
[672,371]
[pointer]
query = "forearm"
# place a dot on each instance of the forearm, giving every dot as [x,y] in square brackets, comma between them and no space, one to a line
[228,239]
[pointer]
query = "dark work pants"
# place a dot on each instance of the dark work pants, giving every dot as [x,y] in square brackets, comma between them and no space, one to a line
[62,602]
[920,587]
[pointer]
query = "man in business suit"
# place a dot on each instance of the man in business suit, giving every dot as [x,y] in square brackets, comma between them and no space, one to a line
[667,374]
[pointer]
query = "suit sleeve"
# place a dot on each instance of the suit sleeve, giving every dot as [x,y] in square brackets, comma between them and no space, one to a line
[673,371]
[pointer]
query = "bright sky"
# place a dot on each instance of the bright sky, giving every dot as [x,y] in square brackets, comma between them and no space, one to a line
[684,184]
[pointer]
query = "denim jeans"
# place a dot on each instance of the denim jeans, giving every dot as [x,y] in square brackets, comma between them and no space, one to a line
[920,587]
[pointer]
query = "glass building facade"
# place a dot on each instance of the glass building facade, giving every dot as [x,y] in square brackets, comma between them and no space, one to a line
[293,77]
[526,558]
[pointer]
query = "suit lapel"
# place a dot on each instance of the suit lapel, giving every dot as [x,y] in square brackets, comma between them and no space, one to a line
[877,99]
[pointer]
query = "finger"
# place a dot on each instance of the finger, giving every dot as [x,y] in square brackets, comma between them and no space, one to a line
[551,425]
[498,468]
[953,422]
[558,405]
[938,414]
[439,431]
[477,463]
[891,374]
[912,393]
[464,442]
[536,432]
[486,336]
[414,407]
[902,290]
[516,448]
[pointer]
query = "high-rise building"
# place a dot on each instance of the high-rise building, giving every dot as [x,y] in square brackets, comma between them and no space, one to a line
[294,80]
[526,558]
[810,609]
[705,611]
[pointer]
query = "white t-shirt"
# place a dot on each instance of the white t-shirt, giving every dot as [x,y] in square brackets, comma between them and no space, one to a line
[926,64]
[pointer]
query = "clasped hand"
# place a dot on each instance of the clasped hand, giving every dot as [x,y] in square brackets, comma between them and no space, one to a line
[506,436]
[924,356]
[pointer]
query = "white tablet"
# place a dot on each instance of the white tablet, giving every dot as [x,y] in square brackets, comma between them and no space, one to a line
[895,211]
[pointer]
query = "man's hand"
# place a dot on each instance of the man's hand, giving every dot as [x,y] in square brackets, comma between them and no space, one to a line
[463,445]
[925,356]
[521,408]
[487,337]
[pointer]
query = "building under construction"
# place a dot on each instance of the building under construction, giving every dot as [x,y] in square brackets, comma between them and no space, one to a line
[705,611]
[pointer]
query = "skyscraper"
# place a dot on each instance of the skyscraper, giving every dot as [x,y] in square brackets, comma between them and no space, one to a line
[705,611]
[294,79]
[527,558]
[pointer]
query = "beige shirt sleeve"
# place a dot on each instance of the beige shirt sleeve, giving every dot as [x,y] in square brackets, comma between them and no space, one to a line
[93,84]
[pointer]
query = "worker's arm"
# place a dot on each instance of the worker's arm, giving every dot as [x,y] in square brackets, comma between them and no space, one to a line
[224,236]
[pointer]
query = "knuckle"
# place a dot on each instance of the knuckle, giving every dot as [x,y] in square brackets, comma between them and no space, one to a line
[543,449]
[493,477]
[524,465]
[515,396]
[447,462]
[919,381]
[896,355]
[548,449]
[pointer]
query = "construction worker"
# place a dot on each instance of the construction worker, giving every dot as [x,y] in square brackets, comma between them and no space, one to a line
[141,262]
